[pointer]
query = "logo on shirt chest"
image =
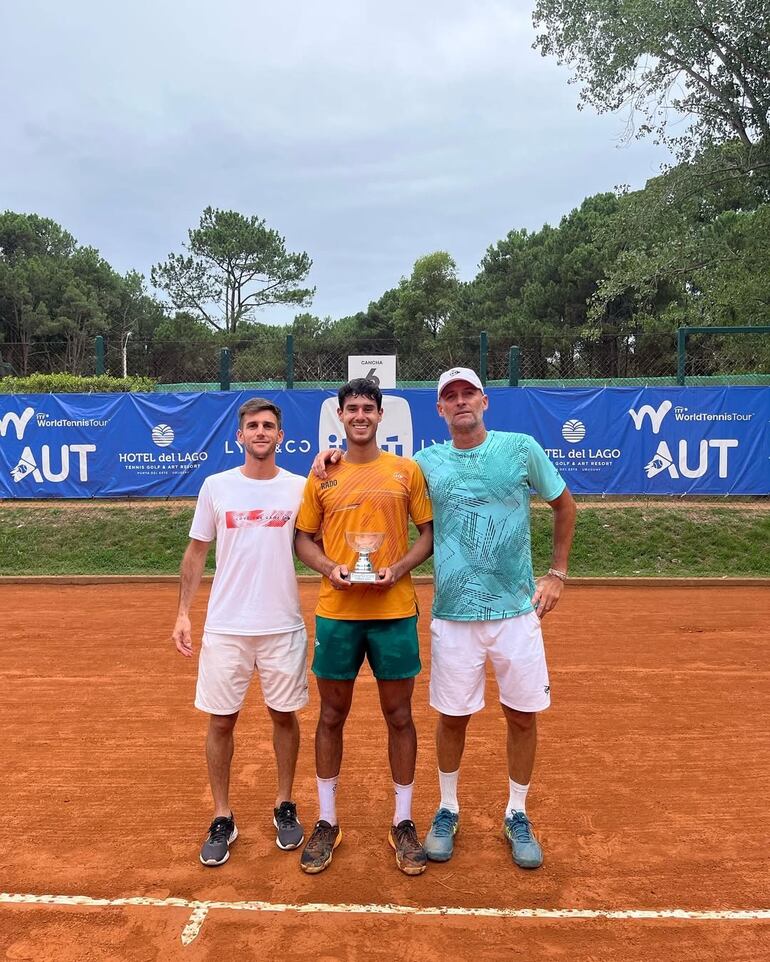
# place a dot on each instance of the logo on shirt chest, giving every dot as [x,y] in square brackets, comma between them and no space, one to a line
[325,485]
[257,518]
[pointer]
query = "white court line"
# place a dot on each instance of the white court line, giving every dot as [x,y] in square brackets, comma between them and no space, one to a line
[194,924]
[201,908]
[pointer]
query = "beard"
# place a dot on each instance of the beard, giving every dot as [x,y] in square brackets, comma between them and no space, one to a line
[466,424]
[260,454]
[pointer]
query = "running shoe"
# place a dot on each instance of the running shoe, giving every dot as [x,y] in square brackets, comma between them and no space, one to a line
[222,833]
[525,848]
[440,840]
[317,854]
[290,833]
[410,855]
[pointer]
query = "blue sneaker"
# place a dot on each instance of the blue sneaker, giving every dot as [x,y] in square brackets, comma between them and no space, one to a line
[525,848]
[440,840]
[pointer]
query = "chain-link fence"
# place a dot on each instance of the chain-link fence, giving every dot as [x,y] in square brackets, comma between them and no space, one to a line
[47,357]
[546,360]
[718,356]
[720,353]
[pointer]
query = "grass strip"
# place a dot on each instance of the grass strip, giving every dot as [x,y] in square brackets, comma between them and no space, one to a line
[644,540]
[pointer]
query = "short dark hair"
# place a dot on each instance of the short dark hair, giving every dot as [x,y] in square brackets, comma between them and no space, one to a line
[256,404]
[360,387]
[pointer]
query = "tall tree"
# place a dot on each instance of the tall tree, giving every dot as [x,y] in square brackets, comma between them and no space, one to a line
[706,59]
[427,297]
[535,290]
[233,266]
[684,241]
[56,295]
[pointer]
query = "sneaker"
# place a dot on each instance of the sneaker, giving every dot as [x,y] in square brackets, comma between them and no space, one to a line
[317,854]
[222,833]
[525,848]
[290,832]
[410,855]
[440,840]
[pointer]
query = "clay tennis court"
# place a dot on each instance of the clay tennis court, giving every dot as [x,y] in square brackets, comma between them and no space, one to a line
[650,796]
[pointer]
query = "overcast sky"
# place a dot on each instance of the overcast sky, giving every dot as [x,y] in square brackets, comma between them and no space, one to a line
[368,134]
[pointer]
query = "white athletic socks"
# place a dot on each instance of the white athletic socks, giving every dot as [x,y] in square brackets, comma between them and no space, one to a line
[448,784]
[327,799]
[403,795]
[517,797]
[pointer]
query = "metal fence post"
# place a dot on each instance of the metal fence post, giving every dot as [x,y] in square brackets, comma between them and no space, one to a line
[224,369]
[99,348]
[289,362]
[483,356]
[683,332]
[514,365]
[681,348]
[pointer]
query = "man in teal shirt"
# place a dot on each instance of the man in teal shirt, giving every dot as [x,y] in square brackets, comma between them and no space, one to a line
[486,601]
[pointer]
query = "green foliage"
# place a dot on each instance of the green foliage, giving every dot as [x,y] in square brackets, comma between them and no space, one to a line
[74,384]
[378,322]
[708,60]
[184,345]
[234,265]
[426,299]
[259,353]
[535,290]
[56,296]
[693,248]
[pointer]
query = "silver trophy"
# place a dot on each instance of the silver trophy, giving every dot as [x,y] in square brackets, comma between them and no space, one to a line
[365,543]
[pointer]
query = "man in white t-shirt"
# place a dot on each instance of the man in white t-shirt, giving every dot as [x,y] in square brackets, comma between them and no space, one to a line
[253,620]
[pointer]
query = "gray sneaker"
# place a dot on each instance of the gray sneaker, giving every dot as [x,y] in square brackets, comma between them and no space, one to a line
[440,840]
[290,832]
[525,848]
[222,833]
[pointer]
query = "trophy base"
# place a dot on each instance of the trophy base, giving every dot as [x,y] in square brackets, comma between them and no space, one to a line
[362,577]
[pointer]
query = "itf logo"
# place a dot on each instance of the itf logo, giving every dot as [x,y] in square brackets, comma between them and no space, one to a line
[656,417]
[19,422]
[395,433]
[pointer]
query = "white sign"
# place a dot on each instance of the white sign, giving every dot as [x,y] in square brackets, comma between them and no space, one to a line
[381,368]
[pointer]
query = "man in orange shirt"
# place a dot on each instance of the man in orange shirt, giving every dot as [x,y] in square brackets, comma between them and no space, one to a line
[371,491]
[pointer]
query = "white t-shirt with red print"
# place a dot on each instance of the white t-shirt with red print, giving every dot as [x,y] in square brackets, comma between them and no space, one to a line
[255,588]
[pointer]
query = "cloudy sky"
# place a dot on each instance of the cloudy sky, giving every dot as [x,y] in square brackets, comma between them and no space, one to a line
[368,134]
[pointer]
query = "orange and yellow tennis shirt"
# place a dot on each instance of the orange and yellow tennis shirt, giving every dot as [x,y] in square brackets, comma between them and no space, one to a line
[379,496]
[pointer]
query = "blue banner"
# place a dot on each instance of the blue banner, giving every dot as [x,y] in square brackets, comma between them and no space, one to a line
[603,440]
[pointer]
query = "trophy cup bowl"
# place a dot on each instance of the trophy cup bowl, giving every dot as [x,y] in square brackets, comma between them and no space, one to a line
[365,543]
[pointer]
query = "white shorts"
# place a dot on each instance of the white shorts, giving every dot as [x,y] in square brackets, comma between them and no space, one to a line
[227,663]
[459,651]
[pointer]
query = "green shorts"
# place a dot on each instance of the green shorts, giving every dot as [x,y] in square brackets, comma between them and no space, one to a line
[390,644]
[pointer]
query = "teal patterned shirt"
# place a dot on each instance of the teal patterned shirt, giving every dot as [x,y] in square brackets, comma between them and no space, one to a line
[482,551]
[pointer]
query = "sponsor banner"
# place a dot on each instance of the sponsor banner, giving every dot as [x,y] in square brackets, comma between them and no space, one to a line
[604,441]
[134,445]
[657,440]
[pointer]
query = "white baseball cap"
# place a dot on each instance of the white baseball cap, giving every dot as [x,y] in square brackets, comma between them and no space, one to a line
[459,374]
